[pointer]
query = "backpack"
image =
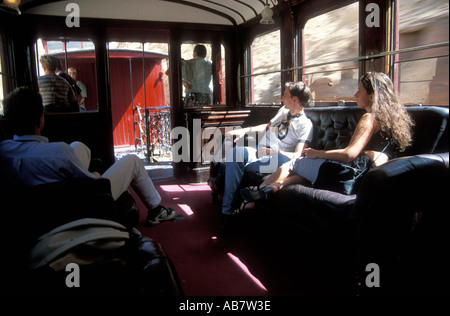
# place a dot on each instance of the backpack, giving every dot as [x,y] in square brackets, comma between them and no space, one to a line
[75,242]
[93,256]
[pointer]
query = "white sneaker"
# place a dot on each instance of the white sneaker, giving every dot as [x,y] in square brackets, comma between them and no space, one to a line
[166,213]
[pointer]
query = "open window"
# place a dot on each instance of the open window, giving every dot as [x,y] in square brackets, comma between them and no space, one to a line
[203,74]
[140,98]
[77,60]
[197,74]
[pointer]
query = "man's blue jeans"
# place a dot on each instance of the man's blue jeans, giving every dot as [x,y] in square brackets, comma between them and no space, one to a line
[241,159]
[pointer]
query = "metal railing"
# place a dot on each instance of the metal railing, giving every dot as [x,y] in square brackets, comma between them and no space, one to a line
[357,58]
[152,131]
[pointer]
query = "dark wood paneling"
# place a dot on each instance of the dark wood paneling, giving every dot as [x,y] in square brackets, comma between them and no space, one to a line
[90,128]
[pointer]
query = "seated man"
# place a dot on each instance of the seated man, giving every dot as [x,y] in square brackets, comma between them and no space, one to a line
[285,137]
[29,159]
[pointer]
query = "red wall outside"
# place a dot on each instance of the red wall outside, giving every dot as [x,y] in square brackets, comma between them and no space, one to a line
[121,97]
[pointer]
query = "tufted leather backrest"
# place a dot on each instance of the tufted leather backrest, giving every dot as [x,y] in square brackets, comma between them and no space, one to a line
[334,127]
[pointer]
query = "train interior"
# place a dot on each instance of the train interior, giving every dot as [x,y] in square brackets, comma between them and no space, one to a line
[130,56]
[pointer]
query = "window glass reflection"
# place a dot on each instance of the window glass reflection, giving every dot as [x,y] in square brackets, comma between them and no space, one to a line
[266,56]
[334,81]
[423,74]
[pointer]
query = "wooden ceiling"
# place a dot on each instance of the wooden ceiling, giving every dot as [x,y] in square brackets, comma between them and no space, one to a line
[220,12]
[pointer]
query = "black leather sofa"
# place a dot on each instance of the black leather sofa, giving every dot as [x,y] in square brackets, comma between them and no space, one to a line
[397,218]
[333,128]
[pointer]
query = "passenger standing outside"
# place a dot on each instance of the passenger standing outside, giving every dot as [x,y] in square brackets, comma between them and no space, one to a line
[53,89]
[74,92]
[83,91]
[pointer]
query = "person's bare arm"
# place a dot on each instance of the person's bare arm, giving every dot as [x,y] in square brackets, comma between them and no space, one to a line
[240,132]
[366,127]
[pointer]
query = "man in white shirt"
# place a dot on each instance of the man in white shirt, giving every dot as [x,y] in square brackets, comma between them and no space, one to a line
[285,137]
[83,91]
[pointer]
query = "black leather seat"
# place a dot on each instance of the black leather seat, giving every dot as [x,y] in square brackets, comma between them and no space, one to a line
[31,212]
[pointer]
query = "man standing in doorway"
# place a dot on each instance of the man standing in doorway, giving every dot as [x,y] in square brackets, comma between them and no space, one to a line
[197,76]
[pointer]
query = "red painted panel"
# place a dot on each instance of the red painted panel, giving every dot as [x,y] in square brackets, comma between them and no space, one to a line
[121,99]
[121,102]
[123,80]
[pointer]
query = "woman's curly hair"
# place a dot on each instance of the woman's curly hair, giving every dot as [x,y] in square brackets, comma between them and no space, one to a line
[392,116]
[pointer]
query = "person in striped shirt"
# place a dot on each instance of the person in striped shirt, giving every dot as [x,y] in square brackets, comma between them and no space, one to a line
[53,89]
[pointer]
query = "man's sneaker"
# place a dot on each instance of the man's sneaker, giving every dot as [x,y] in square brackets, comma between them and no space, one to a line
[165,214]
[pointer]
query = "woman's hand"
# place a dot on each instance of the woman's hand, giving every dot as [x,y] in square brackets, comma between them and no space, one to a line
[310,153]
[378,158]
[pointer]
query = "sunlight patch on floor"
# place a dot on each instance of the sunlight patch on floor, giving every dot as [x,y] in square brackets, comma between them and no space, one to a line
[195,187]
[186,209]
[245,269]
[185,188]
[171,188]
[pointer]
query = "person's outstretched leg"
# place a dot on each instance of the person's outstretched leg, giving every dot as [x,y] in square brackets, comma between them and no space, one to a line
[82,152]
[130,170]
[234,171]
[279,175]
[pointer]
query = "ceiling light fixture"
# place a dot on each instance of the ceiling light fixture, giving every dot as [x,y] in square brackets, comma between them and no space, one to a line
[267,14]
[10,6]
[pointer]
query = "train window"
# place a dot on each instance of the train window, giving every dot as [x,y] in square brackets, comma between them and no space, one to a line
[77,59]
[197,74]
[264,63]
[423,73]
[326,69]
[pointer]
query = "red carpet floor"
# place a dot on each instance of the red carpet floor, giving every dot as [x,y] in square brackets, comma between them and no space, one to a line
[249,263]
[206,263]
